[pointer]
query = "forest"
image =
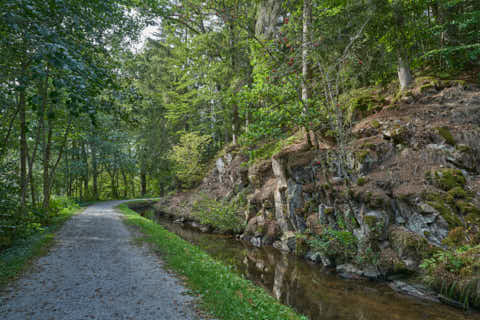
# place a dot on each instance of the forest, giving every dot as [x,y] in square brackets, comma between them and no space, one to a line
[94,108]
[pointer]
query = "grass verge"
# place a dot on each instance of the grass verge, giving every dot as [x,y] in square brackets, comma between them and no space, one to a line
[17,258]
[223,293]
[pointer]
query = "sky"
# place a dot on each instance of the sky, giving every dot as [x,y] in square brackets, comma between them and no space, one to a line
[146,33]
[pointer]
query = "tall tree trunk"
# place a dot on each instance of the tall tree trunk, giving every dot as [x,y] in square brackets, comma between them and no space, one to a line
[306,68]
[267,18]
[114,185]
[234,65]
[68,176]
[4,146]
[133,185]
[46,144]
[23,151]
[93,148]
[31,158]
[404,74]
[143,181]
[46,167]
[125,185]
[31,164]
[86,173]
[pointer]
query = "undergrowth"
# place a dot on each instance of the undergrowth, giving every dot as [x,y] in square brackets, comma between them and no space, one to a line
[222,215]
[223,293]
[455,274]
[18,256]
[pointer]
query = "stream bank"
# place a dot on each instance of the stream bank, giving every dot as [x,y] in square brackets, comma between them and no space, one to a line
[316,292]
[406,201]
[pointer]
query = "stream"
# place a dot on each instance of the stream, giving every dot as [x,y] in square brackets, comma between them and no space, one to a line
[308,288]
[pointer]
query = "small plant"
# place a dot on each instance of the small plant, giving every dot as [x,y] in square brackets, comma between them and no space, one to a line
[455,274]
[223,215]
[188,156]
[335,243]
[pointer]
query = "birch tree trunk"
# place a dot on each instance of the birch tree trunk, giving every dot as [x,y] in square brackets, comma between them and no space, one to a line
[267,18]
[404,74]
[306,68]
[23,151]
[94,170]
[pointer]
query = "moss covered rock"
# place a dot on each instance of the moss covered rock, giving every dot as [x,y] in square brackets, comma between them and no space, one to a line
[445,133]
[409,244]
[447,179]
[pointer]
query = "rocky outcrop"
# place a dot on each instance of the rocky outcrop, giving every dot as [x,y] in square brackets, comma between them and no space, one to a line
[398,164]
[411,187]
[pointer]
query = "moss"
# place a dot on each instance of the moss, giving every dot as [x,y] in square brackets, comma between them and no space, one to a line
[370,221]
[458,193]
[447,179]
[407,242]
[472,220]
[427,86]
[362,155]
[301,246]
[329,211]
[447,135]
[463,148]
[444,75]
[362,181]
[369,146]
[446,212]
[400,267]
[453,83]
[260,229]
[398,96]
[375,124]
[376,200]
[365,104]
[466,207]
[455,238]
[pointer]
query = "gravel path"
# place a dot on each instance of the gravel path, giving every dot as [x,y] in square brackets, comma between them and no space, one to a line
[95,272]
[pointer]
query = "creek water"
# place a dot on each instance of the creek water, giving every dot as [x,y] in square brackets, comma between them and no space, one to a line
[310,289]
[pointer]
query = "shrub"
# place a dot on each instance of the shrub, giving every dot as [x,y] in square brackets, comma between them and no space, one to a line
[222,215]
[335,243]
[455,274]
[187,157]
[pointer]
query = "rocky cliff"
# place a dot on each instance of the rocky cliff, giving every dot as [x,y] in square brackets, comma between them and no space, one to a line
[412,191]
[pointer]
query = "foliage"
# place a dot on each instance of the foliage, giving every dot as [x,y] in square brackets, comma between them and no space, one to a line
[336,243]
[24,249]
[188,157]
[226,216]
[83,114]
[223,293]
[455,274]
[15,227]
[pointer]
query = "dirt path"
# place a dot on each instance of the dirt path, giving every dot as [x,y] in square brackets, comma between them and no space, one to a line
[95,272]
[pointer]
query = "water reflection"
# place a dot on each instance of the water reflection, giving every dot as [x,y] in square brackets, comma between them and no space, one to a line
[312,291]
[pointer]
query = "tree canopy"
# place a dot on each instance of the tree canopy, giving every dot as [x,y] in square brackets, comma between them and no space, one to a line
[84,115]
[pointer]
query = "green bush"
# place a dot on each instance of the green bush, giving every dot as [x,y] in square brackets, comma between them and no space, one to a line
[61,203]
[335,243]
[188,158]
[15,225]
[455,274]
[222,215]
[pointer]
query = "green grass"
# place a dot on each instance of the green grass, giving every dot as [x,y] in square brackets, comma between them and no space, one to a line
[223,293]
[17,258]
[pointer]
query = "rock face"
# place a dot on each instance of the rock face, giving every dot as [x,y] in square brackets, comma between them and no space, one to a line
[409,178]
[407,181]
